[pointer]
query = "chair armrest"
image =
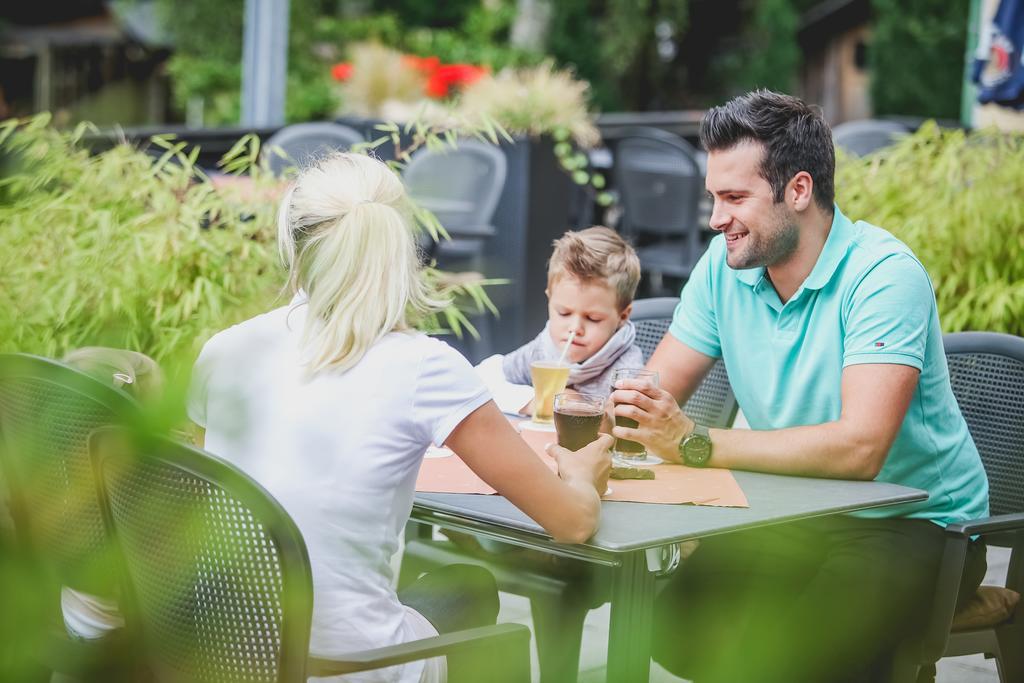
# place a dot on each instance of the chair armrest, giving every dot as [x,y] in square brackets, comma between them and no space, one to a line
[446,644]
[947,584]
[988,525]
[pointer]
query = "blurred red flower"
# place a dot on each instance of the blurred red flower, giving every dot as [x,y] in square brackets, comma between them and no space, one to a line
[441,78]
[341,71]
[425,65]
[447,76]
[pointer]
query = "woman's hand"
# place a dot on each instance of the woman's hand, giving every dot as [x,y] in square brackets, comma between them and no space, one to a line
[661,424]
[591,464]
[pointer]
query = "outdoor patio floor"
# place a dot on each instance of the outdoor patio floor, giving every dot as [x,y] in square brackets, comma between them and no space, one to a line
[973,669]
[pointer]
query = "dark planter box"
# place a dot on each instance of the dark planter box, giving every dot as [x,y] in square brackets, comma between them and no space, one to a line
[536,208]
[213,143]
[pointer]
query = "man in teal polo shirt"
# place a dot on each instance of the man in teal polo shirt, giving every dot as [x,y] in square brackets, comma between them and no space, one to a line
[830,333]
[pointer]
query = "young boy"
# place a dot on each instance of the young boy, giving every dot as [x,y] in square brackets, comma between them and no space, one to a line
[592,278]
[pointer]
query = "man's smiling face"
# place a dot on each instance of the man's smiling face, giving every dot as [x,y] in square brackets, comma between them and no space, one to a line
[758,231]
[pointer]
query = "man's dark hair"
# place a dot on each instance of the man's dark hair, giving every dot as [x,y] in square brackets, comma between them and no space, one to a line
[794,135]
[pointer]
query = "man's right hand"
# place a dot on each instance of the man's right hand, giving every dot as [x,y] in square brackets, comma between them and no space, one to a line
[661,424]
[591,464]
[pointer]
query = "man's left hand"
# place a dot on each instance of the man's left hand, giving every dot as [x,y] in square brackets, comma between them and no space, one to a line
[661,424]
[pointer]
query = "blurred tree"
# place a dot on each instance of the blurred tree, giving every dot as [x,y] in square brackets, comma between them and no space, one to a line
[765,53]
[916,57]
[448,14]
[627,49]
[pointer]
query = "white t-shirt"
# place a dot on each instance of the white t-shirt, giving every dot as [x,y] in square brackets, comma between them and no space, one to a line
[340,453]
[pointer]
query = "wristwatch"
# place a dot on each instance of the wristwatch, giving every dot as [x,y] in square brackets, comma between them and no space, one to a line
[695,448]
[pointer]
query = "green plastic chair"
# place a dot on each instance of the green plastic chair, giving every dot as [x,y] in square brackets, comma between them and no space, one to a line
[986,371]
[217,576]
[47,411]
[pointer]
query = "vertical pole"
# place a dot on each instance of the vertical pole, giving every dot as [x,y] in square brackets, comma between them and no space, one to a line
[44,78]
[264,62]
[968,93]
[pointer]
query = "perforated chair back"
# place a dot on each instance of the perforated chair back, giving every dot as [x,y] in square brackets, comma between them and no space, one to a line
[713,404]
[659,181]
[304,143]
[47,411]
[218,572]
[986,370]
[867,135]
[461,186]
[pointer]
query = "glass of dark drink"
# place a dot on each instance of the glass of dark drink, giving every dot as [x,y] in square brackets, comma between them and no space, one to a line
[578,418]
[632,452]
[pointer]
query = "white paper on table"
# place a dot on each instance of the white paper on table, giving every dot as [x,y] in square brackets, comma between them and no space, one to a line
[509,397]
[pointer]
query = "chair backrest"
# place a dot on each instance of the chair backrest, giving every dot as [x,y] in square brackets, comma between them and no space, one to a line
[461,186]
[659,181]
[304,143]
[713,404]
[867,135]
[217,574]
[47,411]
[986,370]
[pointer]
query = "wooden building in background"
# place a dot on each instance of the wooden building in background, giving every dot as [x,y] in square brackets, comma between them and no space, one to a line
[834,37]
[84,60]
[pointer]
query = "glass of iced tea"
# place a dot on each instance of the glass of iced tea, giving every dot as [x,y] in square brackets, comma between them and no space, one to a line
[549,378]
[632,452]
[578,418]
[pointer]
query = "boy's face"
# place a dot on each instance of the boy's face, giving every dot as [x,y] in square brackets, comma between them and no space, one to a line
[589,308]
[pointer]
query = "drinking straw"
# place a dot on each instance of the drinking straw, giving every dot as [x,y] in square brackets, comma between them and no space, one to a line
[565,349]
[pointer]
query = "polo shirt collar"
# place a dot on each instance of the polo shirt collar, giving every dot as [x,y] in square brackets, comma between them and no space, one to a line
[836,245]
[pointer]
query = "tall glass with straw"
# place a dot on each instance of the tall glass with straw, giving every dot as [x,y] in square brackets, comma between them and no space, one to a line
[549,378]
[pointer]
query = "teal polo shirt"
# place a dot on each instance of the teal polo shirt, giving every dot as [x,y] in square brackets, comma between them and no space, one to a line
[867,300]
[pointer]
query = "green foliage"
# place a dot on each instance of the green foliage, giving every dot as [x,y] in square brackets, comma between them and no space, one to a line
[119,249]
[955,200]
[128,250]
[916,57]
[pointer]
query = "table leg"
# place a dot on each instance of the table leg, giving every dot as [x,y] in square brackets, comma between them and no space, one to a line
[629,630]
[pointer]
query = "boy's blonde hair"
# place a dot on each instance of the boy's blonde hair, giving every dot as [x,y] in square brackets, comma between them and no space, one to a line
[345,234]
[597,254]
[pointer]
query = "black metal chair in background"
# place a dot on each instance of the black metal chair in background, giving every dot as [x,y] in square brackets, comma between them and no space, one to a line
[561,596]
[865,136]
[986,371]
[218,580]
[660,183]
[303,143]
[461,187]
[47,411]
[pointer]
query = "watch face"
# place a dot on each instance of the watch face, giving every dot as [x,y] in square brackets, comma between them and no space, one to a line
[697,450]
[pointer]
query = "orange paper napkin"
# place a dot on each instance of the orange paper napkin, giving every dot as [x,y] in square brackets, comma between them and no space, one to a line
[444,472]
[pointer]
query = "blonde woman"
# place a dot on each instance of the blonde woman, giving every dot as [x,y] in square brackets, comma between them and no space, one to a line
[331,401]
